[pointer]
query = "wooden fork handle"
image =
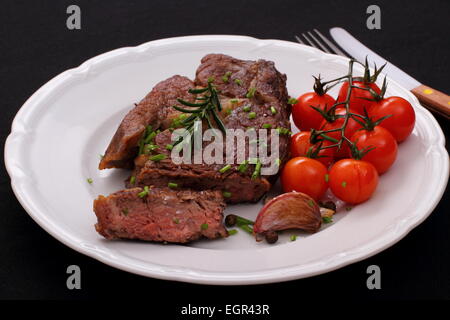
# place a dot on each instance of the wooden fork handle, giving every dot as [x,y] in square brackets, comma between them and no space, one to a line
[433,100]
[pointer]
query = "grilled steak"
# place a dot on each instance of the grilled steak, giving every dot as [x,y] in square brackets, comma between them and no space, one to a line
[177,216]
[162,215]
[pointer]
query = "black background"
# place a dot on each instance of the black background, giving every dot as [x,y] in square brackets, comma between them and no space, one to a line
[36,46]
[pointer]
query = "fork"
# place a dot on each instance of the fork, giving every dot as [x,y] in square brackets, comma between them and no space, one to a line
[313,41]
[437,102]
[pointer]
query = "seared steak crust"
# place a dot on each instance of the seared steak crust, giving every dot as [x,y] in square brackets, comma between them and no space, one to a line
[162,215]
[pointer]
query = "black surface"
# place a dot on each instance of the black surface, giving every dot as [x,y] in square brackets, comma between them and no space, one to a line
[36,46]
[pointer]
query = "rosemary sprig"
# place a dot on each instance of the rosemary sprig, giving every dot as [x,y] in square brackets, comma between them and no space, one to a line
[320,135]
[205,110]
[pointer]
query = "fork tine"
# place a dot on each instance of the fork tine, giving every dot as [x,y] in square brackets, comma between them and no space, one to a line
[325,49]
[298,39]
[309,41]
[330,44]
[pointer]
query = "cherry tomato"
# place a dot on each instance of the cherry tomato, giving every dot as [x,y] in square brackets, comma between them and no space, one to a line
[385,152]
[305,117]
[403,118]
[305,175]
[300,144]
[358,97]
[352,127]
[353,181]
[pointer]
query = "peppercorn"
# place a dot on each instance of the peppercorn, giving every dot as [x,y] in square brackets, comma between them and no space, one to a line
[328,204]
[230,220]
[271,237]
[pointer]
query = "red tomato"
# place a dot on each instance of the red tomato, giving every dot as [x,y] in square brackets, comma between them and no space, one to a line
[305,175]
[352,127]
[385,152]
[300,144]
[358,96]
[353,181]
[403,118]
[305,117]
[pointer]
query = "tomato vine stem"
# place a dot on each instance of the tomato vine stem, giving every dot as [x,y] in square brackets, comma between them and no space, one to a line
[318,136]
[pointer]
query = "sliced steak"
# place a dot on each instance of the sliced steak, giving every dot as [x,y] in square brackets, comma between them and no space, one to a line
[156,110]
[162,215]
[195,208]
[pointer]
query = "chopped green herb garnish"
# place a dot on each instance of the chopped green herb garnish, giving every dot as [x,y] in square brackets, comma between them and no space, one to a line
[169,146]
[144,193]
[252,115]
[293,237]
[132,180]
[211,79]
[204,226]
[281,130]
[311,203]
[125,211]
[251,93]
[292,101]
[327,219]
[243,166]
[177,122]
[89,180]
[172,185]
[226,76]
[176,220]
[267,126]
[238,82]
[344,184]
[149,148]
[150,137]
[241,220]
[246,108]
[148,129]
[234,100]
[246,228]
[273,110]
[225,169]
[327,177]
[158,157]
[257,171]
[278,162]
[226,194]
[232,232]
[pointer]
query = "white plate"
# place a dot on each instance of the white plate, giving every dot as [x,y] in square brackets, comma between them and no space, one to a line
[59,133]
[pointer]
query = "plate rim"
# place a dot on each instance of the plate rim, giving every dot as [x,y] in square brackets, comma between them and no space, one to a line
[194,275]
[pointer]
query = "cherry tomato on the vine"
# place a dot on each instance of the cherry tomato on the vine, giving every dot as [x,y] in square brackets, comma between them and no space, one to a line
[305,175]
[358,97]
[305,117]
[350,129]
[385,147]
[353,181]
[301,143]
[402,119]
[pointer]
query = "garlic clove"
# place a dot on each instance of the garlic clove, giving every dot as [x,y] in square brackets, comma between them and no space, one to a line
[292,210]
